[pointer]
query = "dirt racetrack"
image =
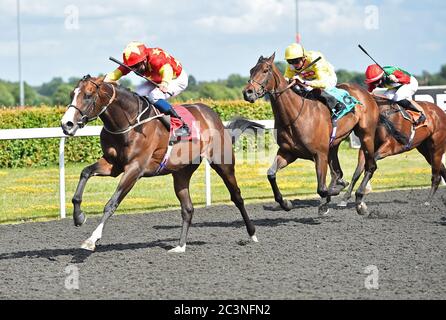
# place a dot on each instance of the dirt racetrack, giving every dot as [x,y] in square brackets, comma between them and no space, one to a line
[299,255]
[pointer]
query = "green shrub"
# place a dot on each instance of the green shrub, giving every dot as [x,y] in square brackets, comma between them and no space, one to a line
[43,152]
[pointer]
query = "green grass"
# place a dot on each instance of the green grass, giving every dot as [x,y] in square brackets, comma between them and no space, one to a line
[30,194]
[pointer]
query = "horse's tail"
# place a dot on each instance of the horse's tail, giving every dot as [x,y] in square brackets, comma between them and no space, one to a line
[239,125]
[401,138]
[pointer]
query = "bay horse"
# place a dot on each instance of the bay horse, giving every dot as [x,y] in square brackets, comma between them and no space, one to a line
[395,135]
[304,128]
[135,143]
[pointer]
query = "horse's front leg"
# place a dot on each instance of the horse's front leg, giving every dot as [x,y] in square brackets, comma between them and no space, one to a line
[321,162]
[281,161]
[128,180]
[101,168]
[358,171]
[337,183]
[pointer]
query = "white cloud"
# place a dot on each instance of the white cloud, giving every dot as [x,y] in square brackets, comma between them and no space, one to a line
[329,18]
[256,17]
[432,46]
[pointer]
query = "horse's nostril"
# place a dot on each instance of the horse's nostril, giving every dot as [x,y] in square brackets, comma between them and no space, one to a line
[249,91]
[69,125]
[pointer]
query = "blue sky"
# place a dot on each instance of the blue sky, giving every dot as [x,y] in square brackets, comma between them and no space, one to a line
[216,38]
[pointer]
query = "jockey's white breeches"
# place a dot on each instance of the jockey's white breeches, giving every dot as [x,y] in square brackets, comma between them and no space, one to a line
[406,91]
[175,87]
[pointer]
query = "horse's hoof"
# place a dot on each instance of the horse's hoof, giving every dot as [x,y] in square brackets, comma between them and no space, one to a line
[286,205]
[88,245]
[361,209]
[342,204]
[178,249]
[343,183]
[80,219]
[323,210]
[254,238]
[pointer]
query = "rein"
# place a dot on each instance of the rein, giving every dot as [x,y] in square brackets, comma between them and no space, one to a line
[84,115]
[137,118]
[276,93]
[138,122]
[85,118]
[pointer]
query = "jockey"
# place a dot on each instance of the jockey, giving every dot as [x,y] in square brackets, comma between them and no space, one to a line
[321,75]
[163,69]
[400,85]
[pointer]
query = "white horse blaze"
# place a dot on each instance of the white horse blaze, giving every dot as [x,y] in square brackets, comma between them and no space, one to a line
[69,114]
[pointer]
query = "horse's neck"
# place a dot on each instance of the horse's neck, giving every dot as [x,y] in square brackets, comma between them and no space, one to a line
[286,107]
[123,111]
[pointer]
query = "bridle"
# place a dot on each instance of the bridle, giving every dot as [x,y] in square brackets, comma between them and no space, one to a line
[262,85]
[85,115]
[273,92]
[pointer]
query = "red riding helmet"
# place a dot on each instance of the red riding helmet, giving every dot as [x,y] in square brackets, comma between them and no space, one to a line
[134,53]
[373,73]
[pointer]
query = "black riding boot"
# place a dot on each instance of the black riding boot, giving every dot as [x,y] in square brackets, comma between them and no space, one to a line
[298,90]
[184,131]
[330,101]
[406,104]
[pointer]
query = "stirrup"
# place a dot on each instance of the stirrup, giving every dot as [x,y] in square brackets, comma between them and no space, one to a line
[183,131]
[420,120]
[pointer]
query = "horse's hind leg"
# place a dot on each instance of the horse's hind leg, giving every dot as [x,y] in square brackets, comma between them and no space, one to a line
[101,168]
[281,161]
[128,180]
[358,171]
[181,181]
[226,172]
[337,183]
[367,146]
[433,157]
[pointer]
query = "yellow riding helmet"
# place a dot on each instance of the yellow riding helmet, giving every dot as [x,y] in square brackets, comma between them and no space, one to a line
[294,51]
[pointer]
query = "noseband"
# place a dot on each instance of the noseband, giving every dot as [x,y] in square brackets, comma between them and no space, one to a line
[262,85]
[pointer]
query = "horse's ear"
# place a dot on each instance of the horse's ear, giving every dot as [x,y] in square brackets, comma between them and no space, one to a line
[260,59]
[100,79]
[272,57]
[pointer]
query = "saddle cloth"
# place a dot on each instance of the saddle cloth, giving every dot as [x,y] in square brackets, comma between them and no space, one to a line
[410,115]
[342,96]
[189,119]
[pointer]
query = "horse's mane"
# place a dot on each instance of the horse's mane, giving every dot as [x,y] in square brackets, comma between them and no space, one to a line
[123,89]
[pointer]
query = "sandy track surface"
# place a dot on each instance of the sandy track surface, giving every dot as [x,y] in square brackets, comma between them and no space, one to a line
[299,255]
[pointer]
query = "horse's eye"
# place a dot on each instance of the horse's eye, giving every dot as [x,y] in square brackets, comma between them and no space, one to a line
[87,96]
[265,71]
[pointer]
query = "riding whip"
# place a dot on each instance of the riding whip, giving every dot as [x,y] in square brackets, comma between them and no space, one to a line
[137,73]
[310,65]
[363,50]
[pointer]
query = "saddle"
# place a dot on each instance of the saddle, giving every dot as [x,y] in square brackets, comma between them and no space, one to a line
[338,101]
[174,124]
[410,115]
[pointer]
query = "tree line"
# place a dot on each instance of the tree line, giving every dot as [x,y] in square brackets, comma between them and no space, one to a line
[57,91]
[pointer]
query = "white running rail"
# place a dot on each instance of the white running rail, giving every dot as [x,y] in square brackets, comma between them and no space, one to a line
[44,133]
